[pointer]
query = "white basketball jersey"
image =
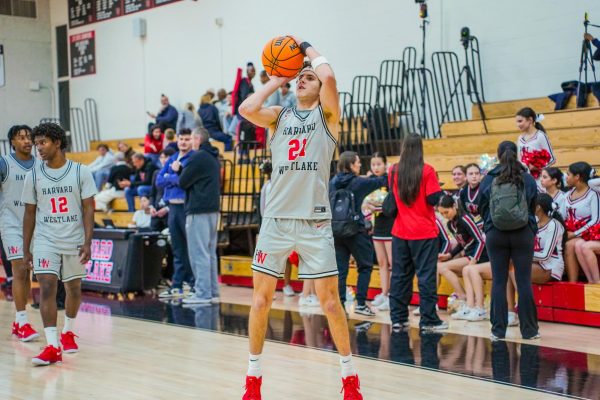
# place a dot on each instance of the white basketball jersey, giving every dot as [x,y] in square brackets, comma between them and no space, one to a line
[301,150]
[11,206]
[58,194]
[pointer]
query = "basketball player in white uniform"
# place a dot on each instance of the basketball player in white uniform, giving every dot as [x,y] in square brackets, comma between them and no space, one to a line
[59,217]
[297,213]
[13,169]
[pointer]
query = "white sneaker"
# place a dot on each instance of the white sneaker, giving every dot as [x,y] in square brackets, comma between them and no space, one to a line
[303,301]
[170,293]
[513,319]
[384,305]
[313,301]
[477,314]
[288,291]
[462,313]
[378,300]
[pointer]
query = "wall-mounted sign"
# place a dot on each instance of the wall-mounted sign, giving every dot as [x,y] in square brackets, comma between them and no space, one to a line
[84,12]
[81,12]
[107,9]
[83,54]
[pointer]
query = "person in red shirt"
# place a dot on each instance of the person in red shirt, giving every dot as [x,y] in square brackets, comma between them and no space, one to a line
[153,143]
[415,246]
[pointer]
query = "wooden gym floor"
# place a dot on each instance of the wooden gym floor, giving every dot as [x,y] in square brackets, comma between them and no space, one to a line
[147,349]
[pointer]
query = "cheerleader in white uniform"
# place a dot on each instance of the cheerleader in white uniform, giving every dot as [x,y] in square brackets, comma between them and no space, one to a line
[535,150]
[582,211]
[551,180]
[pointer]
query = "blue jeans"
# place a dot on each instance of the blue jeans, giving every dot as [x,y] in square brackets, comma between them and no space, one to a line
[131,192]
[181,262]
[201,232]
[100,177]
[222,137]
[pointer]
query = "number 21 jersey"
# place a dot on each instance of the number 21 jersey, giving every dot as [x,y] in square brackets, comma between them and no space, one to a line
[58,194]
[301,149]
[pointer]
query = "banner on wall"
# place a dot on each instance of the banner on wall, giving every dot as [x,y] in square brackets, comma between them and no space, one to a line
[2,79]
[84,12]
[83,54]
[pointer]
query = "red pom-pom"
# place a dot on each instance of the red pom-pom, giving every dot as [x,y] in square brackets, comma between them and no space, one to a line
[592,233]
[538,159]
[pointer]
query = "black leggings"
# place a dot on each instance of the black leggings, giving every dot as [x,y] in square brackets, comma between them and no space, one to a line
[503,247]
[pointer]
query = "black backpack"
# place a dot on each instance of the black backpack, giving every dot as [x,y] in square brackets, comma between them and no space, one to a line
[345,221]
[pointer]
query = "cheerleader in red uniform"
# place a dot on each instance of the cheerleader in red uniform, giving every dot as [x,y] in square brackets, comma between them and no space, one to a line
[534,148]
[551,181]
[582,210]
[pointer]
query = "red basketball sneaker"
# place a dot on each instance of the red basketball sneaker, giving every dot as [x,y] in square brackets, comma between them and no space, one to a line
[49,355]
[351,388]
[15,331]
[252,388]
[68,342]
[27,333]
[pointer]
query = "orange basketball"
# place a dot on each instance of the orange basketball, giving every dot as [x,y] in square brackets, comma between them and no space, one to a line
[282,57]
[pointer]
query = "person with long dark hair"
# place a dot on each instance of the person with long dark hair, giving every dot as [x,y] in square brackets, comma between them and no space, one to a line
[507,205]
[534,149]
[415,244]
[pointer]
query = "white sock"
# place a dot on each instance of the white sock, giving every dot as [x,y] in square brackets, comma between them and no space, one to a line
[254,368]
[69,324]
[51,336]
[347,366]
[21,318]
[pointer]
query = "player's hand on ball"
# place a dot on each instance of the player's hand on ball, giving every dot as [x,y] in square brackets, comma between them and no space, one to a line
[28,260]
[85,253]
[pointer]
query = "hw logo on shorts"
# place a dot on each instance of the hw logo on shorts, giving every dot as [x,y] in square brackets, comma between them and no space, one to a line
[13,250]
[260,257]
[43,263]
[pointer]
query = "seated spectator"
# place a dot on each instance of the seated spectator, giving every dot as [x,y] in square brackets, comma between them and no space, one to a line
[127,152]
[188,118]
[358,245]
[141,218]
[210,118]
[171,140]
[459,177]
[120,172]
[288,98]
[159,209]
[153,143]
[141,182]
[100,167]
[167,115]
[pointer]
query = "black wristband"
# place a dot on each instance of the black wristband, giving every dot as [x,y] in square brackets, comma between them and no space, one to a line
[304,46]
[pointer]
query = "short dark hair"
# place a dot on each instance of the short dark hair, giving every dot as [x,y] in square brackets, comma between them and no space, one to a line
[52,131]
[15,129]
[263,73]
[184,132]
[472,165]
[168,152]
[102,146]
[138,156]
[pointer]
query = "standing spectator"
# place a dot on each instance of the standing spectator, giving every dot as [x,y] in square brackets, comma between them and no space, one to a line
[200,178]
[127,152]
[141,218]
[358,245]
[275,98]
[287,98]
[174,196]
[223,104]
[507,206]
[141,182]
[171,141]
[210,118]
[243,87]
[158,208]
[415,244]
[100,167]
[153,143]
[119,173]
[167,115]
[188,118]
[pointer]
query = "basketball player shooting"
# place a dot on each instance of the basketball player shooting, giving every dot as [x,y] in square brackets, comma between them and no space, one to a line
[59,217]
[297,212]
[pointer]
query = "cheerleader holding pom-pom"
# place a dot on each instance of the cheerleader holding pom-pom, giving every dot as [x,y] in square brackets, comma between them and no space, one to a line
[535,151]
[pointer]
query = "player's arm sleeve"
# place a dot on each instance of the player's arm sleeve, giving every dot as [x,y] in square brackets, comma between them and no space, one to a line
[86,182]
[29,195]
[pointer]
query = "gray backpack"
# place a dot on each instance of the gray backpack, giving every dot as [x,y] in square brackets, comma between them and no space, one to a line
[508,206]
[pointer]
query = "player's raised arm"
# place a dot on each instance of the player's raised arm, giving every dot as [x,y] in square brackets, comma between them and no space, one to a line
[253,110]
[329,96]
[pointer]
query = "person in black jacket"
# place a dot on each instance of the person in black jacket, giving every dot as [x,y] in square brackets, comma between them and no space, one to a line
[141,182]
[359,245]
[200,178]
[516,245]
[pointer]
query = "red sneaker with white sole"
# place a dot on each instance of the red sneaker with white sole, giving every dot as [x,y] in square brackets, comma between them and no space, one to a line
[50,355]
[351,388]
[15,331]
[27,333]
[252,388]
[68,342]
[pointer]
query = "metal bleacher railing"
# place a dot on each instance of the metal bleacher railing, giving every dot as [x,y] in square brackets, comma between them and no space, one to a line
[84,125]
